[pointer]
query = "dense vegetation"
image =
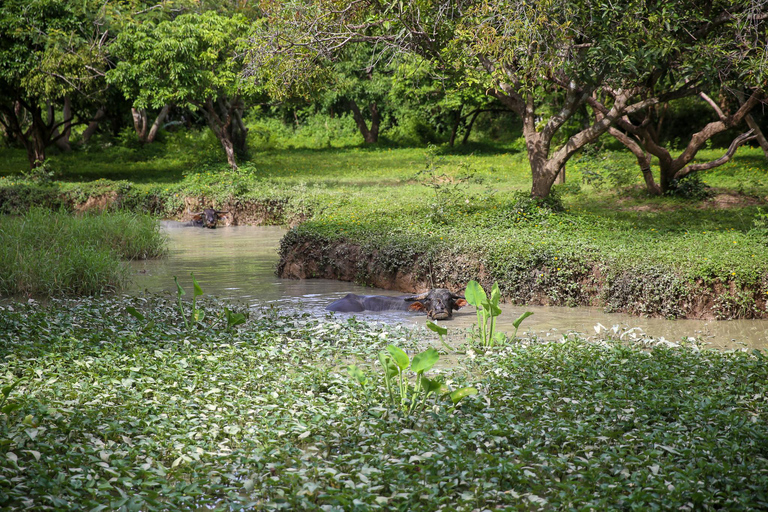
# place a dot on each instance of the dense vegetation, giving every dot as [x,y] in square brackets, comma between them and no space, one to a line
[116,412]
[44,253]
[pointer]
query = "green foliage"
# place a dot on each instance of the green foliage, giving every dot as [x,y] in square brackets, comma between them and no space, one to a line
[48,254]
[184,61]
[690,186]
[487,311]
[162,419]
[411,399]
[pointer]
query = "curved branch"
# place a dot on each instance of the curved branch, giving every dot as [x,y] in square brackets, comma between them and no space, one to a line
[738,141]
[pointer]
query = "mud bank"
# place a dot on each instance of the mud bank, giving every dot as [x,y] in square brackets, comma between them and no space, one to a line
[651,292]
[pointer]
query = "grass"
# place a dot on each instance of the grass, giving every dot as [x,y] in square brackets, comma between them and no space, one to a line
[113,413]
[45,253]
[442,203]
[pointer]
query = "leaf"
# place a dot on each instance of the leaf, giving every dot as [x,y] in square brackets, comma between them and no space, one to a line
[475,294]
[233,319]
[134,313]
[390,368]
[7,389]
[457,395]
[399,356]
[198,291]
[357,374]
[436,328]
[179,290]
[495,294]
[425,361]
[520,319]
[198,315]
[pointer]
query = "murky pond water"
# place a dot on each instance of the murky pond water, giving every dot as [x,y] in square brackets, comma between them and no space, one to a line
[239,263]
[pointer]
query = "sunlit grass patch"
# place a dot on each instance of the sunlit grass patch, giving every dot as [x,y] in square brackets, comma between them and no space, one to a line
[44,253]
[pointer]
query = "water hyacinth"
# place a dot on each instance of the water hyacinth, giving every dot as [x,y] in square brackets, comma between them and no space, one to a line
[148,415]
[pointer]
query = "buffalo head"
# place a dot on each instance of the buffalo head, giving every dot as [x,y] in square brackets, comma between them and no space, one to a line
[207,218]
[438,303]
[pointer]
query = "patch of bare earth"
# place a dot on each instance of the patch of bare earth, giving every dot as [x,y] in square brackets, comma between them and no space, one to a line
[720,201]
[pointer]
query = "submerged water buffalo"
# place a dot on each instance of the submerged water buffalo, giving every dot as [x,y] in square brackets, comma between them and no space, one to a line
[207,218]
[437,303]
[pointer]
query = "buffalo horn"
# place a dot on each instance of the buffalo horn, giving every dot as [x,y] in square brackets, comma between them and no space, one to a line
[417,297]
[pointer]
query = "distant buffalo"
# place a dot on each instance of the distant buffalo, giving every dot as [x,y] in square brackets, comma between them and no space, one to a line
[207,218]
[437,303]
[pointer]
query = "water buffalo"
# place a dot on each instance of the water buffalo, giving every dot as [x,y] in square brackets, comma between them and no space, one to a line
[437,303]
[207,218]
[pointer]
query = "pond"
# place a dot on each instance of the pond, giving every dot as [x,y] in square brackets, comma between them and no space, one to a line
[238,262]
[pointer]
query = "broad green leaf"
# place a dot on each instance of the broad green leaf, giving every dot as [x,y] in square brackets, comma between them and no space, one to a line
[390,368]
[475,294]
[233,319]
[425,361]
[7,389]
[198,291]
[399,356]
[179,290]
[495,294]
[134,313]
[357,374]
[198,315]
[520,319]
[457,395]
[436,328]
[494,310]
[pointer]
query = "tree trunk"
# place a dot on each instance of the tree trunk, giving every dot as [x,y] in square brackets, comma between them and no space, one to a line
[560,178]
[62,140]
[642,156]
[369,136]
[469,127]
[139,116]
[456,123]
[93,125]
[158,122]
[758,133]
[223,117]
[145,133]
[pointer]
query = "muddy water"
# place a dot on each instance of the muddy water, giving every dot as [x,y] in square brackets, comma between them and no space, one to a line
[238,263]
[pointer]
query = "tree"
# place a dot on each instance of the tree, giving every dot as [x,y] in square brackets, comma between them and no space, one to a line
[49,51]
[190,61]
[642,137]
[531,55]
[360,85]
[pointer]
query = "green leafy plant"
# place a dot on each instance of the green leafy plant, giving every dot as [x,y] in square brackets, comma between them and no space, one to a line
[516,323]
[233,319]
[487,311]
[197,314]
[7,408]
[403,395]
[441,331]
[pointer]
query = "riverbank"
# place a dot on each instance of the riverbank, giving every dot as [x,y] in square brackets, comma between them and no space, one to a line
[407,218]
[147,414]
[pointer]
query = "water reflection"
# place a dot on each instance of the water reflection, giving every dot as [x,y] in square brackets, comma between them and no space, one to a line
[239,262]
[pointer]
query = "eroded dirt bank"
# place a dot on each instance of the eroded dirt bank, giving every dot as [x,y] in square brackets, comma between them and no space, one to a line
[646,292]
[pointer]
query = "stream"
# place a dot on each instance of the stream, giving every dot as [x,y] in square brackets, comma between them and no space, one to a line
[238,262]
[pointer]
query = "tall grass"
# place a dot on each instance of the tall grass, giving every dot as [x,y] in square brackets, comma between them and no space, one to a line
[45,254]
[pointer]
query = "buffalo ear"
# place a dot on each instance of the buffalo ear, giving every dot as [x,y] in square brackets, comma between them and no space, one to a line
[197,216]
[460,303]
[416,306]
